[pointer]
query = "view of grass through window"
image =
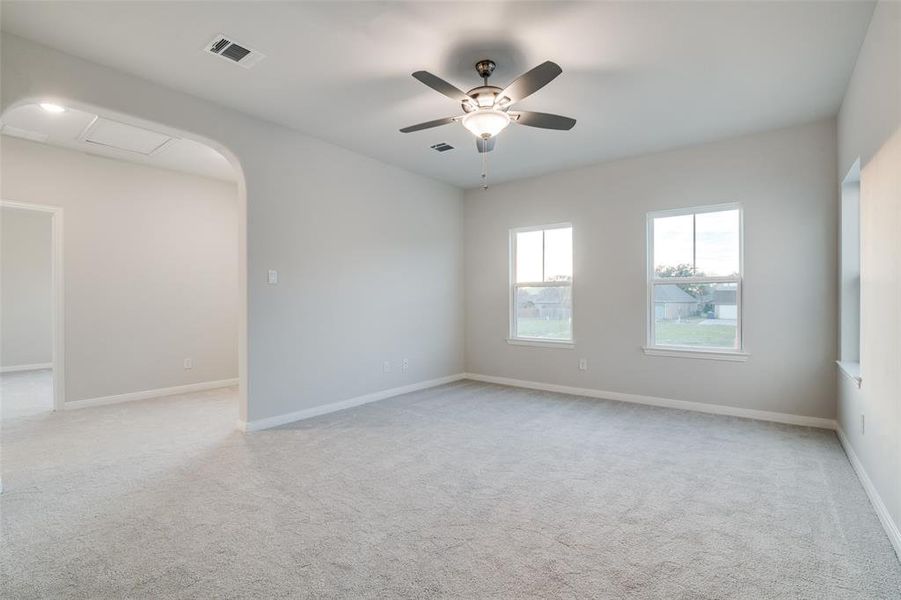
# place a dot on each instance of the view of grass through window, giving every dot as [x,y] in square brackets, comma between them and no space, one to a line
[696,315]
[542,298]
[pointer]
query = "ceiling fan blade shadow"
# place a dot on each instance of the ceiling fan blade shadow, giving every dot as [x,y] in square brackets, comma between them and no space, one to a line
[485,145]
[543,120]
[441,86]
[529,83]
[429,124]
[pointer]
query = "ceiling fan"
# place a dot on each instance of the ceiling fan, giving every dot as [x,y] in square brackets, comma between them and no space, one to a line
[487,108]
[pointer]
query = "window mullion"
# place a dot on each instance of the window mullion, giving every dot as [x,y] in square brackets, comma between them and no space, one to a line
[694,244]
[543,284]
[688,280]
[543,252]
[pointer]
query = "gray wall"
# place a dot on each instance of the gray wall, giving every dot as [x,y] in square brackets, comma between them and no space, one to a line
[869,126]
[26,320]
[150,268]
[369,255]
[785,180]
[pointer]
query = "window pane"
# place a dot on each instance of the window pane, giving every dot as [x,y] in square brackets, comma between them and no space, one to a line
[558,254]
[528,256]
[699,316]
[673,246]
[544,312]
[716,235]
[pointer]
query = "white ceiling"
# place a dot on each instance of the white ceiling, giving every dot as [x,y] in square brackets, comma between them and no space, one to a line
[87,132]
[638,77]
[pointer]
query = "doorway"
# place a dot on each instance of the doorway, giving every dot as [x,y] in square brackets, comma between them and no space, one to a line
[32,369]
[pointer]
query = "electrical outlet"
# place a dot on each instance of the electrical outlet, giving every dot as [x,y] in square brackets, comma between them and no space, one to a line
[863,425]
[189,363]
[405,365]
[386,367]
[583,364]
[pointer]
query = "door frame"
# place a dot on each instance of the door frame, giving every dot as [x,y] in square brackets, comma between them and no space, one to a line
[57,294]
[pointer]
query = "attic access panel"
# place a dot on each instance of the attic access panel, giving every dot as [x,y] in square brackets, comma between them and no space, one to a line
[120,136]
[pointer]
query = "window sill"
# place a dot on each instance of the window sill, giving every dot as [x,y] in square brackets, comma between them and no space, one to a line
[727,355]
[851,370]
[540,343]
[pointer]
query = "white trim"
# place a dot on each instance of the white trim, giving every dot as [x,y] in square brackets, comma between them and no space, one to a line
[58,295]
[851,370]
[540,343]
[730,355]
[18,368]
[891,528]
[695,210]
[146,394]
[716,409]
[323,409]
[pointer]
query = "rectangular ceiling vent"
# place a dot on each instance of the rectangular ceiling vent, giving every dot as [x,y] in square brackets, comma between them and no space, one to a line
[442,147]
[225,48]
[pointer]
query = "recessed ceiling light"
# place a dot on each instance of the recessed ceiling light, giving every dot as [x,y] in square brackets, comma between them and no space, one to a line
[53,108]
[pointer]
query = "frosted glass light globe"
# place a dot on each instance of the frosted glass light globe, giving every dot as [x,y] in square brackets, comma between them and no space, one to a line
[486,123]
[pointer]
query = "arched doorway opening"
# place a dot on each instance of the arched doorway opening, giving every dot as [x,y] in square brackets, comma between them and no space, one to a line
[149,278]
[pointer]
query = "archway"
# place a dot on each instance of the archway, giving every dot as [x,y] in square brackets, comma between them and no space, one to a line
[101,128]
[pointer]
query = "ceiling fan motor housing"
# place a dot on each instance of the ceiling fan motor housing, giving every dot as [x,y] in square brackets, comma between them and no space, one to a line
[484,97]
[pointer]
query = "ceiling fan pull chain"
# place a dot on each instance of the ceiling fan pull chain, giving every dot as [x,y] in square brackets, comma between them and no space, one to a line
[485,169]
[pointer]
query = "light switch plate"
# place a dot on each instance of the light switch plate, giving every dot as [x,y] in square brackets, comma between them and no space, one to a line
[272,278]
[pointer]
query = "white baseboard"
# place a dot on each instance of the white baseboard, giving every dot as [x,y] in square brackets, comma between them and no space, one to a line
[716,409]
[891,528]
[157,393]
[315,411]
[34,367]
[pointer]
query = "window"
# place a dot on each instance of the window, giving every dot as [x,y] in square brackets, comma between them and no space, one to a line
[849,302]
[541,269]
[694,280]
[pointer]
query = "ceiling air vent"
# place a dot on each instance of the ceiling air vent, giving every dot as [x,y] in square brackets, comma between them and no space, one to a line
[224,47]
[442,147]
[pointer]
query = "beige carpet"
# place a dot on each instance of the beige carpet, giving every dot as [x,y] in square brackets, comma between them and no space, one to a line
[464,491]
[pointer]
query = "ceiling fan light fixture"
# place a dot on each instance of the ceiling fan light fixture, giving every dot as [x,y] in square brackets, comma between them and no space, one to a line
[486,123]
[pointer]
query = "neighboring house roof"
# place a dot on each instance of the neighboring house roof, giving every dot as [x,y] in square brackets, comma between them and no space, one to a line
[673,294]
[724,296]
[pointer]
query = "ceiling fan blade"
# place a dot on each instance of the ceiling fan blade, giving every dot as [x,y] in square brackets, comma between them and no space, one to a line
[441,86]
[543,120]
[529,83]
[429,124]
[485,145]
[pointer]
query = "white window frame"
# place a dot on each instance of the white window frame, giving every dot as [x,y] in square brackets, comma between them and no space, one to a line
[513,337]
[849,271]
[651,348]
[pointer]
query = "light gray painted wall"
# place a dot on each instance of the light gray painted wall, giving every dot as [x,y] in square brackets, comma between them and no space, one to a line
[869,127]
[150,268]
[26,336]
[388,241]
[785,180]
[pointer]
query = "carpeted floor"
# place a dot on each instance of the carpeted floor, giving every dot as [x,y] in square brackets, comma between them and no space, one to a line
[26,393]
[464,491]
